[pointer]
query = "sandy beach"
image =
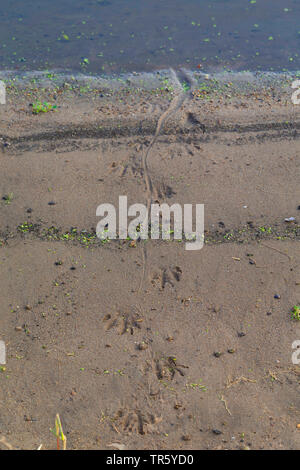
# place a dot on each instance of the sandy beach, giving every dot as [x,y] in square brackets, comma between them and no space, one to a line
[190,350]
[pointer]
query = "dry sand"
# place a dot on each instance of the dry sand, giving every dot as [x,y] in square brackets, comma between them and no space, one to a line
[196,353]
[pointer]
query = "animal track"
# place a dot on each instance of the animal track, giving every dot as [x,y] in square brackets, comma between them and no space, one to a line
[164,368]
[168,368]
[162,191]
[123,322]
[123,167]
[194,121]
[166,276]
[135,421]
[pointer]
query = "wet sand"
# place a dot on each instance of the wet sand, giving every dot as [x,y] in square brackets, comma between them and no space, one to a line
[191,350]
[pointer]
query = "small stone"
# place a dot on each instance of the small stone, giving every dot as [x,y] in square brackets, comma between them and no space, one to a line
[217,432]
[186,437]
[217,354]
[142,346]
[231,351]
[28,307]
[298,426]
[241,334]
[18,328]
[170,339]
[51,203]
[277,296]
[269,313]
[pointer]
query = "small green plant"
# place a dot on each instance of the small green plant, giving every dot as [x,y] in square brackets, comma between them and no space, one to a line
[8,198]
[186,87]
[296,313]
[59,434]
[26,227]
[39,107]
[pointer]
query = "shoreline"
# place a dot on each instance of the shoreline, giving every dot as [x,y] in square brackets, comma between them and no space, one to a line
[146,80]
[104,108]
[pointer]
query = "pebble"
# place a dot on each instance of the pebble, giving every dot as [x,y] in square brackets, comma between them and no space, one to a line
[217,432]
[241,334]
[177,406]
[217,354]
[277,296]
[170,339]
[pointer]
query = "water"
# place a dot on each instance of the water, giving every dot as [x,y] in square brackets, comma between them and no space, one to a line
[113,36]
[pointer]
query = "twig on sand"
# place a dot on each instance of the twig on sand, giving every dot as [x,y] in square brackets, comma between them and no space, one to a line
[117,445]
[59,434]
[225,404]
[5,443]
[239,380]
[115,427]
[273,376]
